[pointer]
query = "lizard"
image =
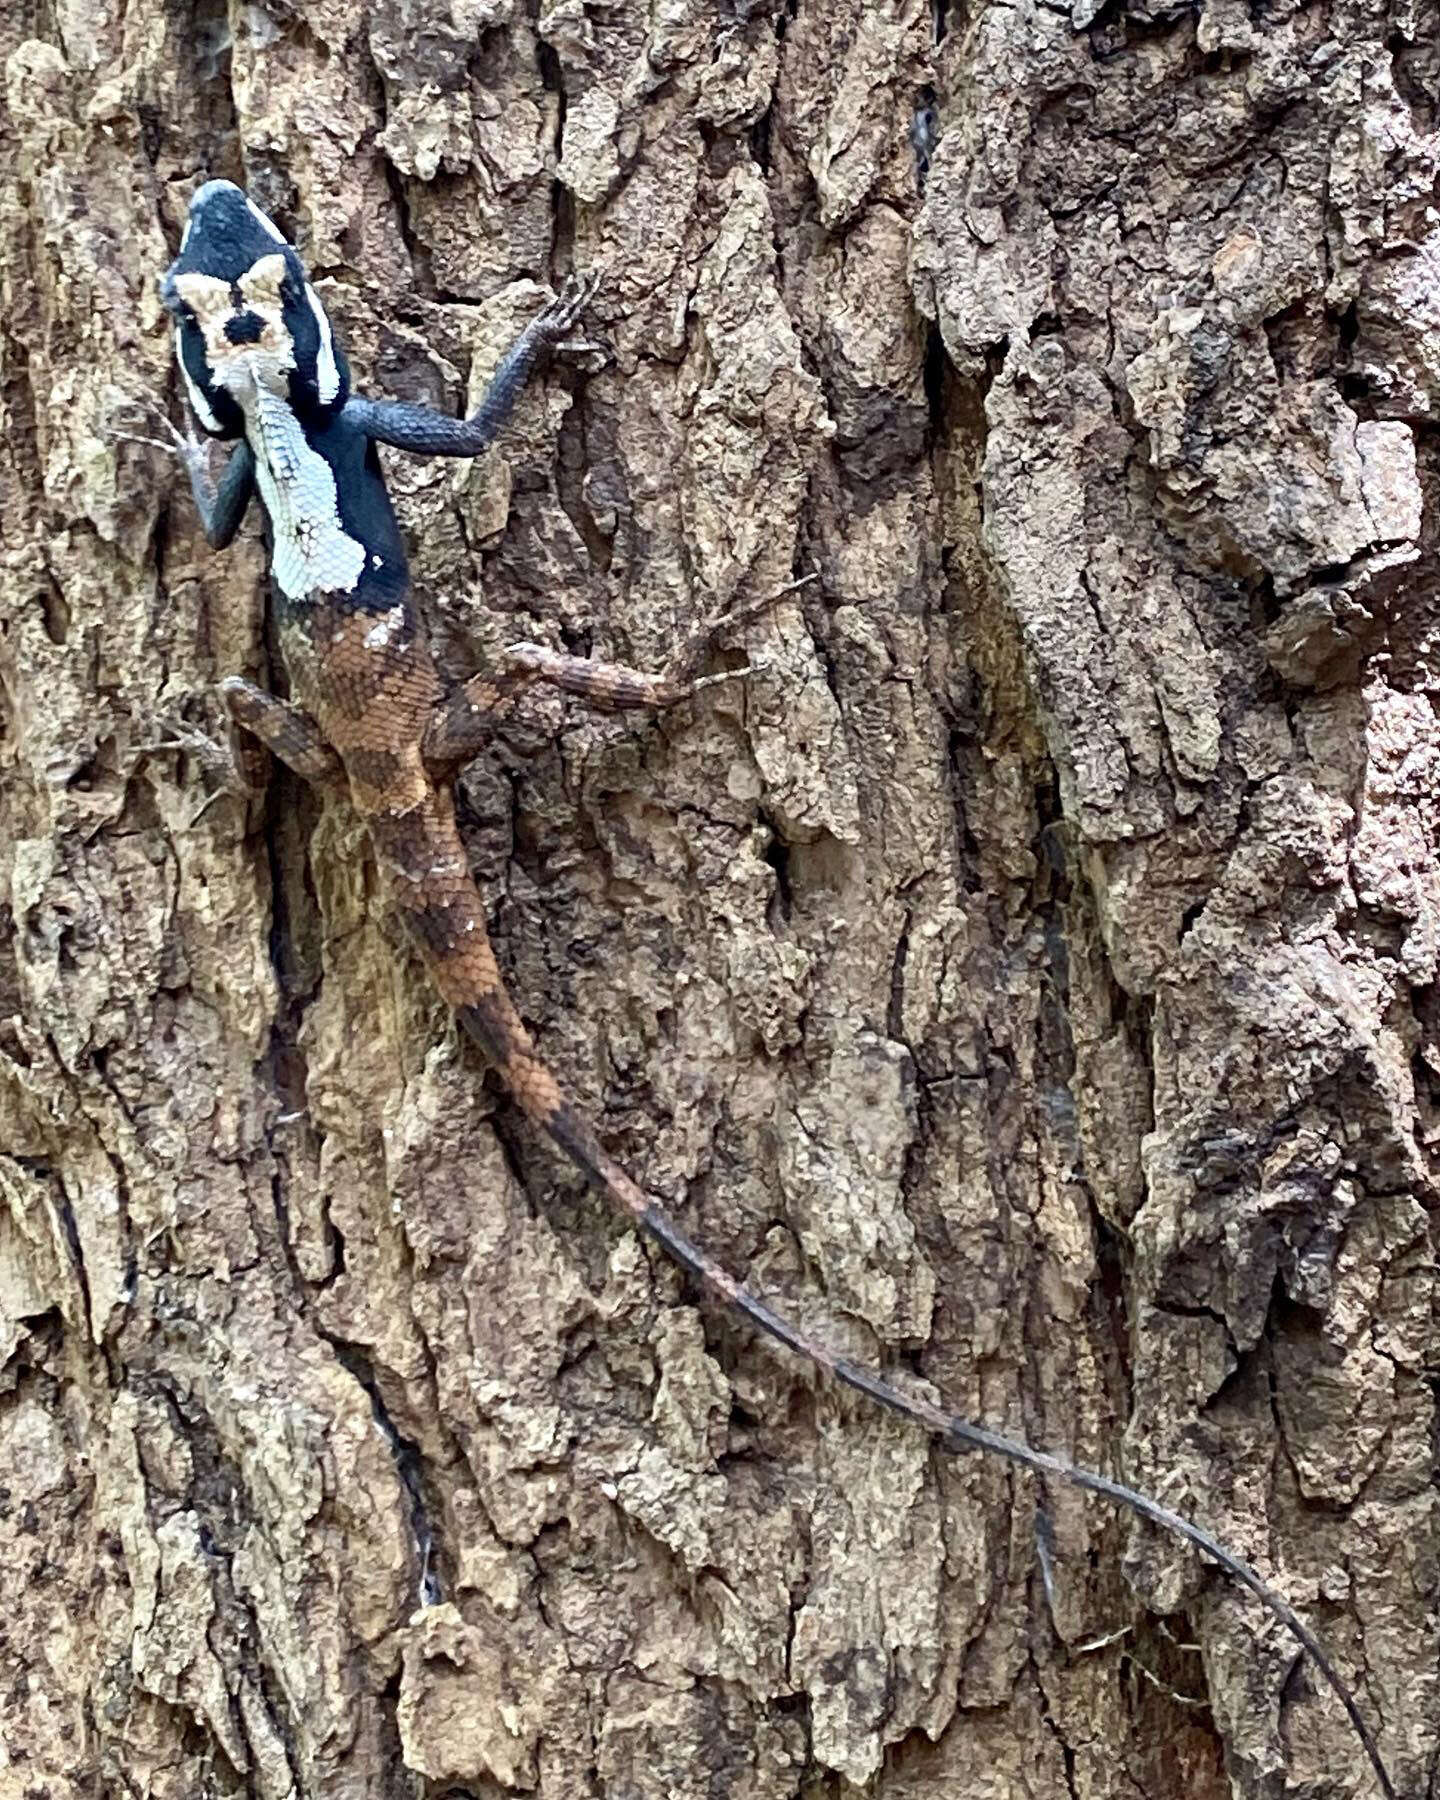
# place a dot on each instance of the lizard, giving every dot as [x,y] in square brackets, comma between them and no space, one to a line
[262,370]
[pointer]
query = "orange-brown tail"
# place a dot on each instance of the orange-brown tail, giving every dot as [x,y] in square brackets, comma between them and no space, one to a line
[493,1022]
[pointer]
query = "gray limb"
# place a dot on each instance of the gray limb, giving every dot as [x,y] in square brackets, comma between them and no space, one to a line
[221,507]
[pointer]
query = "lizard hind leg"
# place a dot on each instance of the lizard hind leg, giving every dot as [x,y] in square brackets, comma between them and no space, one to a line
[467,718]
[239,769]
[464,722]
[283,729]
[616,687]
[607,686]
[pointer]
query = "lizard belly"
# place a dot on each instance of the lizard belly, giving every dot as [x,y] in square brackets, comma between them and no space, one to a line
[312,552]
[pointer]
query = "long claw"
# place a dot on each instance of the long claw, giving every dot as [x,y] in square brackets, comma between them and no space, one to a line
[135,437]
[705,681]
[182,444]
[748,609]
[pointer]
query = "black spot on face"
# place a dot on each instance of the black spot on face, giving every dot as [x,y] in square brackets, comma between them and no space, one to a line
[245,328]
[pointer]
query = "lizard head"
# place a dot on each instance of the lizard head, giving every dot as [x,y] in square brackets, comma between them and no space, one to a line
[247,322]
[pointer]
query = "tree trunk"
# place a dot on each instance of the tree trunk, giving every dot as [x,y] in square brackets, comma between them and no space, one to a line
[1026,978]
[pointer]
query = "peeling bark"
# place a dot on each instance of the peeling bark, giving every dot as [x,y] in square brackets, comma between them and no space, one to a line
[1028,977]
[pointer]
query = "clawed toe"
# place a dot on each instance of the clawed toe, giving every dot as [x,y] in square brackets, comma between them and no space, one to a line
[740,674]
[182,444]
[136,437]
[179,736]
[215,759]
[562,312]
[700,642]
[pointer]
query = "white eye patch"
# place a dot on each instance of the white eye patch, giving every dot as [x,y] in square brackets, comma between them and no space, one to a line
[212,301]
[261,283]
[327,372]
[207,296]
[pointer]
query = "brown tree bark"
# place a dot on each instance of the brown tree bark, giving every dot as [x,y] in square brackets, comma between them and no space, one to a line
[1028,977]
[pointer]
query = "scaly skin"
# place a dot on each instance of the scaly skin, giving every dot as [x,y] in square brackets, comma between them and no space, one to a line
[368,708]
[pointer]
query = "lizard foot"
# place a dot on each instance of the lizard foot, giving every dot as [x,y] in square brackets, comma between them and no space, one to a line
[183,445]
[697,646]
[218,763]
[554,323]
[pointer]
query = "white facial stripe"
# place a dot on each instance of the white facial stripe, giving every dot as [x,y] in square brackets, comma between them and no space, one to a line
[185,234]
[327,373]
[262,220]
[313,553]
[199,405]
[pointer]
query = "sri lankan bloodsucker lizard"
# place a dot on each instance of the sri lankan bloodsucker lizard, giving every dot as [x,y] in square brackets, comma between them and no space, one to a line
[261,367]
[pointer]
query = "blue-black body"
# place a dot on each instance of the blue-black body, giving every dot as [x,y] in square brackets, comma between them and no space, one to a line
[365,512]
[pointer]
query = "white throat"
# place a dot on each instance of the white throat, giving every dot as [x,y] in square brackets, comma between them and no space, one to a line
[313,553]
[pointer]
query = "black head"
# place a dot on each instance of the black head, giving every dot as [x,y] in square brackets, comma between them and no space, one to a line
[246,319]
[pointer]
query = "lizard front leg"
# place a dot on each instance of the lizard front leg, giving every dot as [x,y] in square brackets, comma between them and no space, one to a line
[221,506]
[429,433]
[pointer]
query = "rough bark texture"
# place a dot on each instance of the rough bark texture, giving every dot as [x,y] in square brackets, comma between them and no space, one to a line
[1032,971]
